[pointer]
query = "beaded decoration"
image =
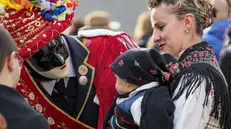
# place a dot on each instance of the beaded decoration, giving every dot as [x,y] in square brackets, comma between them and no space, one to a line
[34,23]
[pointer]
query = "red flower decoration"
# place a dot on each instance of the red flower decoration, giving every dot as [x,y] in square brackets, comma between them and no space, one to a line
[153,71]
[167,76]
[173,68]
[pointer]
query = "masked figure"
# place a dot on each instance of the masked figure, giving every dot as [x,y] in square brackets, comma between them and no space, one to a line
[66,78]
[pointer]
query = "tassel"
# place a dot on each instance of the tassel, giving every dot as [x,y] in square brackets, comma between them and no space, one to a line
[192,77]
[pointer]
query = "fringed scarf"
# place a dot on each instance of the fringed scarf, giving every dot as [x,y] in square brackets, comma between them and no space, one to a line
[199,63]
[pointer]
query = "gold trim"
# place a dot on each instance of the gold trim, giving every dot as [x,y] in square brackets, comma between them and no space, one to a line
[92,75]
[44,96]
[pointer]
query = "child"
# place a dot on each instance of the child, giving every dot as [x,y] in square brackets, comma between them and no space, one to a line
[143,77]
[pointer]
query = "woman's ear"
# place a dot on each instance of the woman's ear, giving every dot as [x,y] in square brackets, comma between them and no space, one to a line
[189,21]
[11,61]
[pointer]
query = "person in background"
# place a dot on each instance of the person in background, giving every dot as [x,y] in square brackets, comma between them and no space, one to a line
[15,112]
[215,34]
[200,92]
[225,58]
[100,19]
[74,28]
[143,29]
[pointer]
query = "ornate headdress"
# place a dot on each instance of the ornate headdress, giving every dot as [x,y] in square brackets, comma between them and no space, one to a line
[34,23]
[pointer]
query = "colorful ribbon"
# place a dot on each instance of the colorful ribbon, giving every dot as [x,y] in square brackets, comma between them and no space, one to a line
[47,5]
[50,9]
[34,1]
[25,3]
[11,5]
[54,14]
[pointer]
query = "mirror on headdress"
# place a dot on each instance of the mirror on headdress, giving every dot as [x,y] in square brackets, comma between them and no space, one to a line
[52,61]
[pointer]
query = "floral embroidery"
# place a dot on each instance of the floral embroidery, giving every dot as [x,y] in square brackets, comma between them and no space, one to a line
[31,95]
[136,64]
[121,62]
[35,102]
[153,71]
[174,68]
[23,91]
[50,120]
[38,107]
[140,78]
[201,54]
[166,76]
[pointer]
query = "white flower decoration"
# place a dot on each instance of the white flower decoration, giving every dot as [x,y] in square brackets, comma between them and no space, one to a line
[50,120]
[39,107]
[31,95]
[136,64]
[121,62]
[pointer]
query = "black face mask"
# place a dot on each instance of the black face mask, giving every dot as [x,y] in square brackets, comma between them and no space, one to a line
[51,56]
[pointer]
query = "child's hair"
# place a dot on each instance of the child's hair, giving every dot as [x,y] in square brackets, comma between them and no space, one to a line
[141,66]
[7,45]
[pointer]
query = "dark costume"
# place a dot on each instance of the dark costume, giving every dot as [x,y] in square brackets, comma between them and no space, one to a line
[18,114]
[82,98]
[149,105]
[200,90]
[225,59]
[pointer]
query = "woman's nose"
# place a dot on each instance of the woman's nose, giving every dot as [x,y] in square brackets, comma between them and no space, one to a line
[156,38]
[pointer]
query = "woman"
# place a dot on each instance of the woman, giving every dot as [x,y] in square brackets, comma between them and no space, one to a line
[200,94]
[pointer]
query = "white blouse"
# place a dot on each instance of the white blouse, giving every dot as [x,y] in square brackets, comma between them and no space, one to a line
[191,113]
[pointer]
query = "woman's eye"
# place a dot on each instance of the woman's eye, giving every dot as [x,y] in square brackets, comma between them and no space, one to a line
[161,28]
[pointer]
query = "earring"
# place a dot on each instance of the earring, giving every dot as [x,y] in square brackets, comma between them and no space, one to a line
[186,31]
